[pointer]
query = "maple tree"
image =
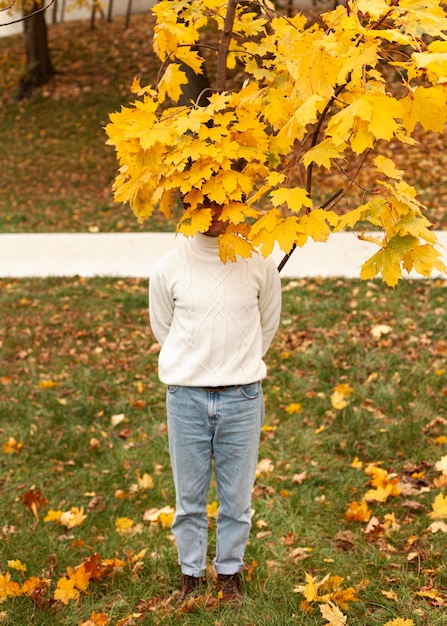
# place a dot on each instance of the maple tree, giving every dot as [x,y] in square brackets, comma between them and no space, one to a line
[309,97]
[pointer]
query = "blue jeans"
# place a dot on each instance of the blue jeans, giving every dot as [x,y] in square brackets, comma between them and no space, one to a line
[226,426]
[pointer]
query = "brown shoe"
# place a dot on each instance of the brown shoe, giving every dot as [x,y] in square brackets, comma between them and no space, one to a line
[190,588]
[230,589]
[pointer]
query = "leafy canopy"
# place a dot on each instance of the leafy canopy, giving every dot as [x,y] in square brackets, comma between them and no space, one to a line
[311,96]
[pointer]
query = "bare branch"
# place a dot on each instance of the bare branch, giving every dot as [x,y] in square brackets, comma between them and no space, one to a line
[28,15]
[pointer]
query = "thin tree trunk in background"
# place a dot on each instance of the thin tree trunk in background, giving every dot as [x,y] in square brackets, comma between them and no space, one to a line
[110,11]
[54,12]
[128,14]
[39,68]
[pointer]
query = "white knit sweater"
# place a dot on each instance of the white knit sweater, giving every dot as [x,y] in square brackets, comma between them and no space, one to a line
[214,320]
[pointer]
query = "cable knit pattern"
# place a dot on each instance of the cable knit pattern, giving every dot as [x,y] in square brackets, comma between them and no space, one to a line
[214,320]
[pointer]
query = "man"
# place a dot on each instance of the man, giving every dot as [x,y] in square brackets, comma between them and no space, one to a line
[215,322]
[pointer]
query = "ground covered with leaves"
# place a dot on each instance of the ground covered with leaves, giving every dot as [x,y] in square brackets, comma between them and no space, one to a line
[57,171]
[349,512]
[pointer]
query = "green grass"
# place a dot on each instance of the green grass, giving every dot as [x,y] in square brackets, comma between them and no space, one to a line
[90,339]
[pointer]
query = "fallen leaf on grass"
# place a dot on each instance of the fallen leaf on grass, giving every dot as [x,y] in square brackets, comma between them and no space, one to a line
[17,564]
[164,516]
[96,619]
[339,396]
[294,407]
[380,329]
[265,466]
[8,588]
[439,507]
[391,595]
[298,479]
[399,621]
[441,465]
[434,596]
[333,615]
[130,620]
[126,526]
[12,446]
[117,419]
[436,526]
[70,519]
[385,484]
[34,500]
[47,384]
[358,512]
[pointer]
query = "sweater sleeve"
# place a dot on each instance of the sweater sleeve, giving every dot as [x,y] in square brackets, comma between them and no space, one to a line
[270,304]
[161,305]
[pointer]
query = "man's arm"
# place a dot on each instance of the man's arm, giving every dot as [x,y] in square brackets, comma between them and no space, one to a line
[270,304]
[161,306]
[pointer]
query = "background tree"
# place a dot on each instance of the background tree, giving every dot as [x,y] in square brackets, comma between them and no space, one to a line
[317,96]
[39,68]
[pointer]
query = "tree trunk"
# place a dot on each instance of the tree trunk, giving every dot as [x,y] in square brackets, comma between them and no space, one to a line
[197,89]
[39,68]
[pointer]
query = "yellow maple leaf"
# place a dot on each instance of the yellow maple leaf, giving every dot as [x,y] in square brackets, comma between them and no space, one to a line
[375,8]
[356,463]
[35,585]
[145,482]
[66,590]
[12,446]
[323,153]
[399,621]
[212,509]
[17,564]
[194,221]
[96,619]
[358,512]
[166,520]
[333,615]
[339,396]
[264,466]
[232,245]
[47,384]
[163,516]
[170,84]
[426,105]
[386,110]
[391,595]
[387,167]
[310,590]
[123,525]
[439,507]
[296,198]
[441,466]
[74,517]
[294,407]
[53,516]
[8,588]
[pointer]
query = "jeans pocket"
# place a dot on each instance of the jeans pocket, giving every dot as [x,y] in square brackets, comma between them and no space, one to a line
[173,388]
[251,391]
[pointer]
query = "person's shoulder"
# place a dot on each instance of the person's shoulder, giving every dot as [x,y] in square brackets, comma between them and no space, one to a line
[258,260]
[169,259]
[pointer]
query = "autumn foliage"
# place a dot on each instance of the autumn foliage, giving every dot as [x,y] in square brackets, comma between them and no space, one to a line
[309,96]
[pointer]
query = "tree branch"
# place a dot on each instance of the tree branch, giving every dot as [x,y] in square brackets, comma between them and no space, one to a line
[221,72]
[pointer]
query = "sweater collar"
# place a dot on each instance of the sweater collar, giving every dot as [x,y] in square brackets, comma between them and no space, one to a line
[201,242]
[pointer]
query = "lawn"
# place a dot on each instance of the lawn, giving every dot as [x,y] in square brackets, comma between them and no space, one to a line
[349,469]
